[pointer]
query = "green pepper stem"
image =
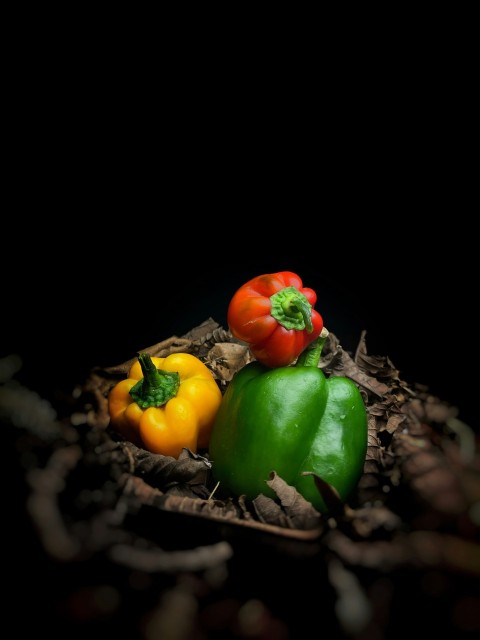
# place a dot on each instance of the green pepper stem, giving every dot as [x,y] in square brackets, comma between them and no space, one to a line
[310,356]
[156,387]
[292,310]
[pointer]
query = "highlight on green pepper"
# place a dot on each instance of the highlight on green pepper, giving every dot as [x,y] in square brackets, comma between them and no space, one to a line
[291,420]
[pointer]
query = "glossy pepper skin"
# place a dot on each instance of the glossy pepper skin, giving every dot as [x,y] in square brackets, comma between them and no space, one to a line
[274,314]
[289,420]
[166,404]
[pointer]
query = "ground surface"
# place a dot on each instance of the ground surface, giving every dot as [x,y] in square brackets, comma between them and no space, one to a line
[124,555]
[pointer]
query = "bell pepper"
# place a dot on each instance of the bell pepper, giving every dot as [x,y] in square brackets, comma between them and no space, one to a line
[166,404]
[289,420]
[274,314]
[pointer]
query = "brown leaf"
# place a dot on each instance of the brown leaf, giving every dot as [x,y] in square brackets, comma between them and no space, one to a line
[226,358]
[377,366]
[300,512]
[223,509]
[343,365]
[388,405]
[164,471]
[329,494]
[134,487]
[394,422]
[331,352]
[335,361]
[374,451]
[230,512]
[203,331]
[270,512]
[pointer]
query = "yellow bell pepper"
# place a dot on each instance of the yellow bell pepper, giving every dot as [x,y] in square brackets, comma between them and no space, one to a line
[166,404]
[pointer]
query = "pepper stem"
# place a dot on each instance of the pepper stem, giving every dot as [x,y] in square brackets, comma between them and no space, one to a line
[291,309]
[310,356]
[156,387]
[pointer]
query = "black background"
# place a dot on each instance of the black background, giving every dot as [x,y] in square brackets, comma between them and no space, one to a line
[95,300]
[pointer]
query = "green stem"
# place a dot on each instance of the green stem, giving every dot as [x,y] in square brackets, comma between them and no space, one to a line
[310,356]
[156,387]
[292,310]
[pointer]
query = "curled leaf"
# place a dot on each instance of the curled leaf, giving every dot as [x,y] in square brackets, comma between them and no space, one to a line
[300,512]
[377,366]
[329,494]
[226,358]
[164,471]
[338,362]
[270,512]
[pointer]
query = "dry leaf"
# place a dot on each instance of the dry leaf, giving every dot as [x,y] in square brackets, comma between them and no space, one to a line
[329,494]
[394,423]
[378,366]
[226,358]
[164,471]
[300,512]
[373,457]
[269,511]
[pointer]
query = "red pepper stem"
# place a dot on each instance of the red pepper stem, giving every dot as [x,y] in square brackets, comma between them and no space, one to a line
[310,357]
[291,309]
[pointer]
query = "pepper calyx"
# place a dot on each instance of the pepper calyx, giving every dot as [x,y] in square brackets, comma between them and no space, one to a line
[156,387]
[291,309]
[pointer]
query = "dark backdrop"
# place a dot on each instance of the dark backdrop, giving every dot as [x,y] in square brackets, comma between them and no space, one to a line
[90,307]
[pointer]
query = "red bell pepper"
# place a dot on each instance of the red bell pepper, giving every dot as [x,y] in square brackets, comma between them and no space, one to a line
[274,314]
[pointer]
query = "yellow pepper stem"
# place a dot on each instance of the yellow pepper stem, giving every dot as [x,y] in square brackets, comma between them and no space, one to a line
[156,387]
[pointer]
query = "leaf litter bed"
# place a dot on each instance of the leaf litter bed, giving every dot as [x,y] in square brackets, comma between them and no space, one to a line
[144,545]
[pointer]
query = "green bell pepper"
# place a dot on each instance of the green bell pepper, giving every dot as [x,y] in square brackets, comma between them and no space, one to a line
[290,420]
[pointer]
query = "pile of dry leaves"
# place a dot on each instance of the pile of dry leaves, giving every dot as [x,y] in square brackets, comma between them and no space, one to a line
[144,544]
